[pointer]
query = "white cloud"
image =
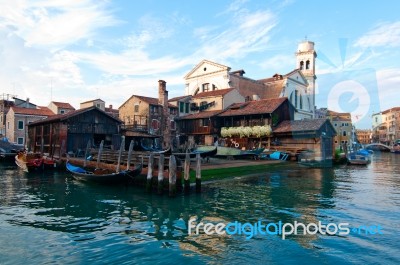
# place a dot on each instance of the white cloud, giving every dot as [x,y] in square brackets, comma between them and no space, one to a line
[385,34]
[54,23]
[247,32]
[388,84]
[278,63]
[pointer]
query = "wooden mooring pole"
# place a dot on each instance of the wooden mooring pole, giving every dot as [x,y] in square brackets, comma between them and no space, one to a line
[150,173]
[99,154]
[121,148]
[186,173]
[86,153]
[160,186]
[128,161]
[172,176]
[198,173]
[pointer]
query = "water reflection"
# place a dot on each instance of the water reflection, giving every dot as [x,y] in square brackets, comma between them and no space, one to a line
[124,216]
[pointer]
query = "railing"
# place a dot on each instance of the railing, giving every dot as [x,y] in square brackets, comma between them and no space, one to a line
[135,127]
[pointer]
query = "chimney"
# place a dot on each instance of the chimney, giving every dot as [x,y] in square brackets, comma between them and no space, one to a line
[110,107]
[162,94]
[27,102]
[163,101]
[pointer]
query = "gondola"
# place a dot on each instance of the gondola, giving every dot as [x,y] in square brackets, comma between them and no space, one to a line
[234,153]
[99,175]
[193,153]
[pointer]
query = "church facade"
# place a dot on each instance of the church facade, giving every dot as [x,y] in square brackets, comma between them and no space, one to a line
[298,85]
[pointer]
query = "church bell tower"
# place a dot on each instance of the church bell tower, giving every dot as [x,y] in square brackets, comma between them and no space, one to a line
[305,62]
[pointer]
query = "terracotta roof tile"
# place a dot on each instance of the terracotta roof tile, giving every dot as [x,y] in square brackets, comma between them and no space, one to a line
[253,107]
[215,93]
[391,110]
[43,111]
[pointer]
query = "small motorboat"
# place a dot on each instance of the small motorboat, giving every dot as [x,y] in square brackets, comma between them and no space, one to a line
[360,157]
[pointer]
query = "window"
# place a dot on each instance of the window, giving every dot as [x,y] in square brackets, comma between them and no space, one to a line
[8,125]
[172,111]
[20,140]
[301,65]
[154,109]
[206,87]
[62,111]
[301,102]
[181,107]
[307,65]
[335,124]
[97,105]
[214,87]
[155,124]
[186,107]
[206,122]
[136,108]
[20,125]
[295,98]
[344,133]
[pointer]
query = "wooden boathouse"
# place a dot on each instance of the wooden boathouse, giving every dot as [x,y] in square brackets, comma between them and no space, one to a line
[74,129]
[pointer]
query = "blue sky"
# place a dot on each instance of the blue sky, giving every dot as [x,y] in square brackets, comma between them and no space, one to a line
[74,51]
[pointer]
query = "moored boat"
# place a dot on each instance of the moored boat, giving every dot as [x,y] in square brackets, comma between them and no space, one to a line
[234,153]
[34,162]
[396,148]
[100,175]
[277,155]
[204,152]
[360,157]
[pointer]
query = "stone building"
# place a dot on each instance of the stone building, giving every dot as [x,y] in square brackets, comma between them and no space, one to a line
[60,107]
[298,85]
[343,126]
[99,103]
[149,121]
[17,120]
[386,126]
[364,136]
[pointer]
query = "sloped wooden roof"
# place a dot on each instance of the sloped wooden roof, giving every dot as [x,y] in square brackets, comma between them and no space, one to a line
[300,126]
[253,107]
[65,116]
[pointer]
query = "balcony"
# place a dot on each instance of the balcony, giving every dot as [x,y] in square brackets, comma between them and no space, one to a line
[135,127]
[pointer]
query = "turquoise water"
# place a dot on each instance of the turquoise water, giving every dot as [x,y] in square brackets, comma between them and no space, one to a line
[51,218]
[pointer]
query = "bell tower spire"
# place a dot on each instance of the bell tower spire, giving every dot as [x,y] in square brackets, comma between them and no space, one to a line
[305,62]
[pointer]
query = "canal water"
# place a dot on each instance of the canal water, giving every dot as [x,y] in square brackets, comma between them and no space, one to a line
[51,218]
